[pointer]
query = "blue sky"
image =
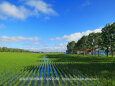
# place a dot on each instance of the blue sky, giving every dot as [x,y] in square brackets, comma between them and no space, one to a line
[47,25]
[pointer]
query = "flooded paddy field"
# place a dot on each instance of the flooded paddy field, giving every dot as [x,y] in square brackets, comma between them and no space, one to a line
[56,70]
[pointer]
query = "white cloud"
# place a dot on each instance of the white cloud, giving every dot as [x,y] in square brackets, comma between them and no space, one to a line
[49,49]
[61,47]
[2,26]
[38,7]
[10,10]
[41,6]
[75,36]
[17,39]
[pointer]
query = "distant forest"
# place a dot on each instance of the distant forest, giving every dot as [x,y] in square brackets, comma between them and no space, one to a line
[5,49]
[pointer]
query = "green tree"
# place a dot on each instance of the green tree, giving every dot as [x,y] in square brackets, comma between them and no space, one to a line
[71,47]
[92,41]
[84,44]
[106,36]
[112,38]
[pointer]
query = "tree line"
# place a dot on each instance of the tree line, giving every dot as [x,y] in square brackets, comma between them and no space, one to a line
[5,49]
[105,40]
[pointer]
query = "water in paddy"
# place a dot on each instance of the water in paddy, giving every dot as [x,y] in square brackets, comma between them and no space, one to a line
[46,74]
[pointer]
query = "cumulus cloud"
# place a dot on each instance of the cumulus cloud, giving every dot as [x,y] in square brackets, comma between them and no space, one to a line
[17,39]
[75,36]
[10,10]
[49,49]
[41,6]
[61,47]
[35,8]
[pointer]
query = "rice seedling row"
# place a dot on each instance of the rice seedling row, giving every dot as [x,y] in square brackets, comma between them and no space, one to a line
[53,70]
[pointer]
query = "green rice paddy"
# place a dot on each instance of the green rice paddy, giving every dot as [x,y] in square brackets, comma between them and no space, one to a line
[32,69]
